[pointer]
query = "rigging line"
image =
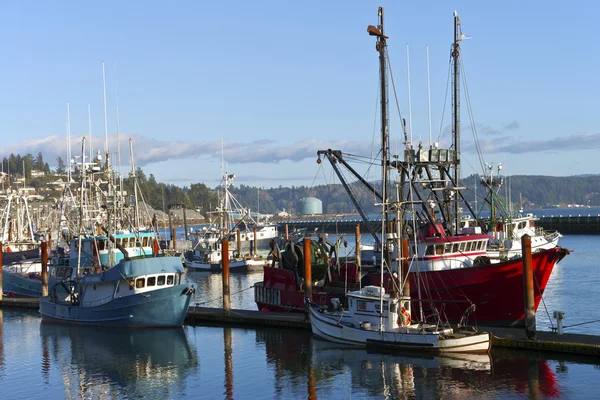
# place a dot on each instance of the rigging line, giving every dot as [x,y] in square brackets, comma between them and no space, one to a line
[393,82]
[445,98]
[376,115]
[471,118]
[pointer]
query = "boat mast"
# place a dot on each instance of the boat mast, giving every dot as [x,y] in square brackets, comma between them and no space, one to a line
[381,48]
[456,117]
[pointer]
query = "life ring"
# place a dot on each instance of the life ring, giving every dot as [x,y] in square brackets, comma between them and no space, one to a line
[403,317]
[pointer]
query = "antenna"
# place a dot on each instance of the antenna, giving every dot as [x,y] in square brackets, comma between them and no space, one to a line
[409,102]
[118,131]
[105,120]
[68,142]
[90,130]
[428,96]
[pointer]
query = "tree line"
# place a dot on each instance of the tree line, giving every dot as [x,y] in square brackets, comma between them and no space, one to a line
[530,191]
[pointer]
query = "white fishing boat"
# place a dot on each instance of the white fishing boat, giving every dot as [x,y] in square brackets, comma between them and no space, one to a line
[374,317]
[248,240]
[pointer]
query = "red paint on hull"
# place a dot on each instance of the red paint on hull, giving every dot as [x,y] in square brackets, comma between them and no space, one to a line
[495,289]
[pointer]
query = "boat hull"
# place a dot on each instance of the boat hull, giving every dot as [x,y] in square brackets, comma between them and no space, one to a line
[495,289]
[22,280]
[486,286]
[330,327]
[160,308]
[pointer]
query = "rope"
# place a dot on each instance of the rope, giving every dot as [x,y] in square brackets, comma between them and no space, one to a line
[543,302]
[220,298]
[583,323]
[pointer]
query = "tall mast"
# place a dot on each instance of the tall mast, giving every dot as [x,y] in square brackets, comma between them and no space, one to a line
[381,49]
[456,115]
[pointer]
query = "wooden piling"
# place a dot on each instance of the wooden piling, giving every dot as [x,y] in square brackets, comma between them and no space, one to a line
[44,247]
[225,275]
[528,295]
[238,236]
[357,242]
[254,242]
[287,233]
[404,268]
[228,363]
[1,264]
[307,270]
[185,227]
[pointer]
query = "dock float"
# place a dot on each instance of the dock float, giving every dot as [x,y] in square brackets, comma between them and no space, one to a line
[567,343]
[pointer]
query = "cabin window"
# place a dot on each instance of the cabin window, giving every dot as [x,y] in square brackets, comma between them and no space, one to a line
[455,248]
[361,305]
[439,249]
[145,241]
[429,250]
[151,281]
[139,283]
[481,245]
[170,280]
[448,248]
[521,225]
[131,284]
[161,280]
[462,247]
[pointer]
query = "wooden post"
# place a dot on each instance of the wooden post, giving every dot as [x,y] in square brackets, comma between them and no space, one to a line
[1,264]
[228,363]
[357,236]
[174,238]
[185,223]
[254,242]
[44,269]
[225,275]
[287,234]
[307,270]
[238,237]
[404,267]
[530,329]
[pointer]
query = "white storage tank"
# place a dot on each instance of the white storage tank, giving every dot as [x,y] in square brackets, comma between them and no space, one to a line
[310,206]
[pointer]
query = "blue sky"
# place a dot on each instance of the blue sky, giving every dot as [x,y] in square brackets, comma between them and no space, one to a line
[278,80]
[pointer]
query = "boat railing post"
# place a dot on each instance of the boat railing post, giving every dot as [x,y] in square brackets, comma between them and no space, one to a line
[225,275]
[1,265]
[307,272]
[44,248]
[528,294]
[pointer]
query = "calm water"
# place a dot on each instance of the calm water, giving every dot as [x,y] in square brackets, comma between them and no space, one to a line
[56,361]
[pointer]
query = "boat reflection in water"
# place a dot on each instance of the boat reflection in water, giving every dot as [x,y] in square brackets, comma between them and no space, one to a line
[307,366]
[117,362]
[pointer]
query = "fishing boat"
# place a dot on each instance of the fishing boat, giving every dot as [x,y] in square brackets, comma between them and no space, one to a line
[505,227]
[451,257]
[374,317]
[248,240]
[136,289]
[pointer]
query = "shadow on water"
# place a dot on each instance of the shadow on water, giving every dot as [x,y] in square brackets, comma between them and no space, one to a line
[94,361]
[322,365]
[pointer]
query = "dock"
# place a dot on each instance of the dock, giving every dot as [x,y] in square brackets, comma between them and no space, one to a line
[514,338]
